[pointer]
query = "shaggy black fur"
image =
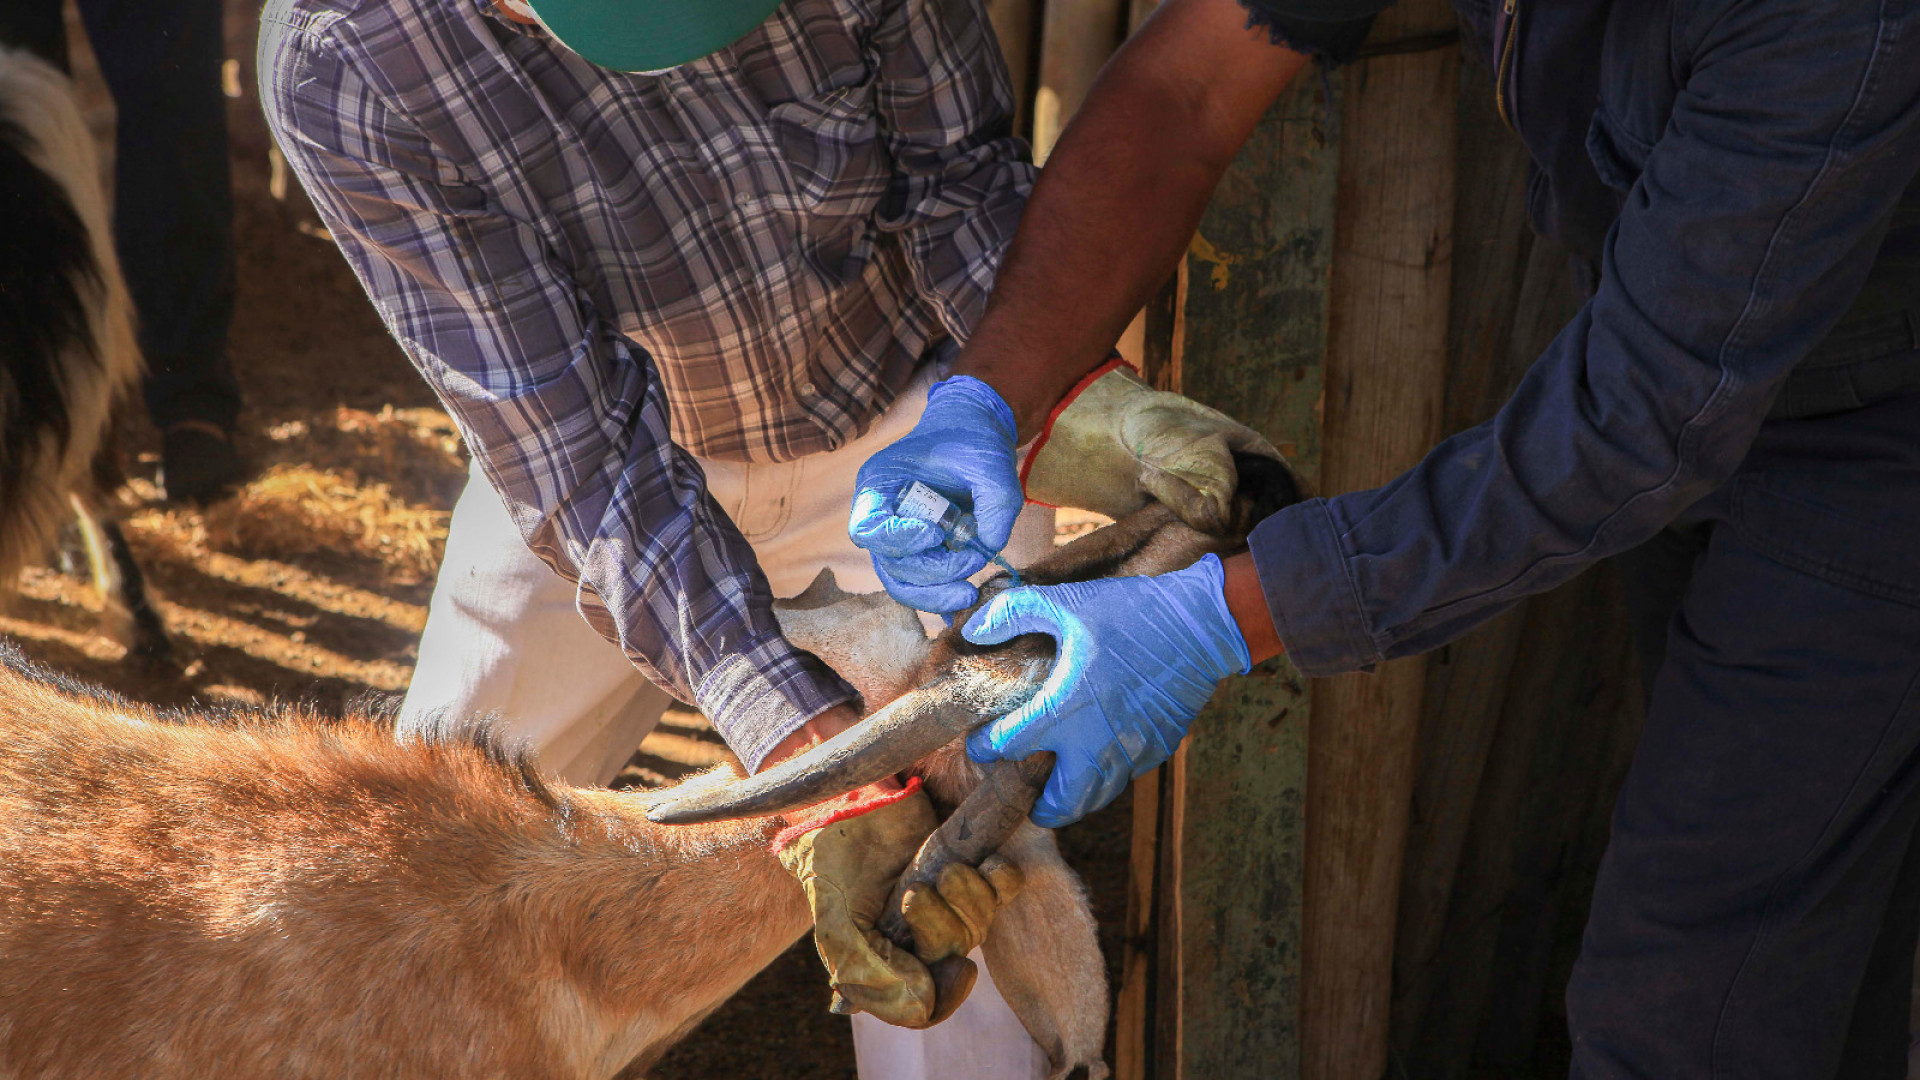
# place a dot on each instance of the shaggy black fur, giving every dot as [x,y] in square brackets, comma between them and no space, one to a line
[45,263]
[1266,488]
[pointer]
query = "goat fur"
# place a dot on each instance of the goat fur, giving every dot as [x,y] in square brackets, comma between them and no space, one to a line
[276,894]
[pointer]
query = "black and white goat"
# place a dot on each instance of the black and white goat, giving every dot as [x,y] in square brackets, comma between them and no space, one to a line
[67,347]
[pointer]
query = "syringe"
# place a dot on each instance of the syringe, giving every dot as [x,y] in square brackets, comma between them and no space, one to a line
[922,503]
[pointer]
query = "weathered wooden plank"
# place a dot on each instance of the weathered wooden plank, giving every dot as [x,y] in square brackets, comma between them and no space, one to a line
[1466,680]
[1385,372]
[1077,38]
[1133,1009]
[1168,986]
[1466,683]
[1572,690]
[1547,766]
[1584,860]
[1243,328]
[1015,23]
[1241,864]
[1253,328]
[1469,863]
[1444,1032]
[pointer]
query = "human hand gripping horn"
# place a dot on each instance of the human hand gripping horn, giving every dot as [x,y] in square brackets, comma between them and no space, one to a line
[965,685]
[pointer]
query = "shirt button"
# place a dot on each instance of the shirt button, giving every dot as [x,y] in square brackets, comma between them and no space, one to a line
[806,388]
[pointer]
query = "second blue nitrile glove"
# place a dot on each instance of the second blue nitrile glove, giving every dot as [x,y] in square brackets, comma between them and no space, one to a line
[1138,657]
[962,448]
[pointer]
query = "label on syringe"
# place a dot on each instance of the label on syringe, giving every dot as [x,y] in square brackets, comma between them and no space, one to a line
[922,503]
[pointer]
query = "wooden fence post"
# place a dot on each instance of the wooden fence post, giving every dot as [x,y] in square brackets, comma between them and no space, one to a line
[1077,38]
[1386,377]
[1243,329]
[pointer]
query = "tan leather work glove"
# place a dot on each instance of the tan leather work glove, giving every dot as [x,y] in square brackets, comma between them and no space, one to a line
[1114,441]
[847,858]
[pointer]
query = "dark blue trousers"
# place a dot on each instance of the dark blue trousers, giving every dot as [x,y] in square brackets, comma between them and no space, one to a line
[173,199]
[1757,909]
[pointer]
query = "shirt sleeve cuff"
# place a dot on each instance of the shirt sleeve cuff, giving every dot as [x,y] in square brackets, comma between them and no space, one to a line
[1316,608]
[760,694]
[1334,40]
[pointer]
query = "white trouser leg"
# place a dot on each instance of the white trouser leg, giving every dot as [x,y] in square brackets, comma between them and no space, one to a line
[983,1041]
[503,636]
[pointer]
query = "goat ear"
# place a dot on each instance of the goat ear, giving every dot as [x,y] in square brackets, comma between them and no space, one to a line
[822,591]
[1043,954]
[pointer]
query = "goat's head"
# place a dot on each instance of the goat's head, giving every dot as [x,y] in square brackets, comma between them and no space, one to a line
[873,641]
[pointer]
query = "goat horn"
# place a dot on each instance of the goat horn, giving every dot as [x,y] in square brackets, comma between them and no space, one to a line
[918,723]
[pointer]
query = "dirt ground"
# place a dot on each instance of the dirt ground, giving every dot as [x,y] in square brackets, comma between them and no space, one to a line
[312,584]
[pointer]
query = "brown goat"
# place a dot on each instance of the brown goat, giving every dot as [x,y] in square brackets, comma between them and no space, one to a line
[279,895]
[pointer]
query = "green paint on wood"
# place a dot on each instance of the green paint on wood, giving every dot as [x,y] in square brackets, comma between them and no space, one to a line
[1254,347]
[1256,316]
[1242,859]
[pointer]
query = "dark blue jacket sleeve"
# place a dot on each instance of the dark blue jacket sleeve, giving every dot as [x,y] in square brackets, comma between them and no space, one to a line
[1332,30]
[1748,233]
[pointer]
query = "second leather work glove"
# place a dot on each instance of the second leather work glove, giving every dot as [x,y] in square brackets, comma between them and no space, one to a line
[1113,442]
[847,858]
[1138,658]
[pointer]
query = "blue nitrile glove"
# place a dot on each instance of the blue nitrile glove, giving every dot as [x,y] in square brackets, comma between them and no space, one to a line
[963,448]
[1138,658]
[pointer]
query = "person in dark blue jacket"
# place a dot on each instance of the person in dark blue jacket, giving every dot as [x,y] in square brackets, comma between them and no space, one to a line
[1736,410]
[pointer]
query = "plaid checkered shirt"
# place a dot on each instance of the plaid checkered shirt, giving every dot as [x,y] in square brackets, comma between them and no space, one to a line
[746,258]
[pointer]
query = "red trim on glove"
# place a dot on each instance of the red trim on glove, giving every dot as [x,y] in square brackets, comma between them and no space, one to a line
[1040,440]
[851,805]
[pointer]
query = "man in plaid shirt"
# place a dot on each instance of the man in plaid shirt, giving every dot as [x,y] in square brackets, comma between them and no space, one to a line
[671,313]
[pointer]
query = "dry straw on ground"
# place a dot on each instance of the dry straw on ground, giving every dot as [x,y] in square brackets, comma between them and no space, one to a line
[293,510]
[315,495]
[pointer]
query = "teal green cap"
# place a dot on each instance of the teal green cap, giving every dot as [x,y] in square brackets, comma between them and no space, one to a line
[649,35]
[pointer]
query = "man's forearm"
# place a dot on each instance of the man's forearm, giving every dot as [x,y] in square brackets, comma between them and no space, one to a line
[1100,233]
[1117,204]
